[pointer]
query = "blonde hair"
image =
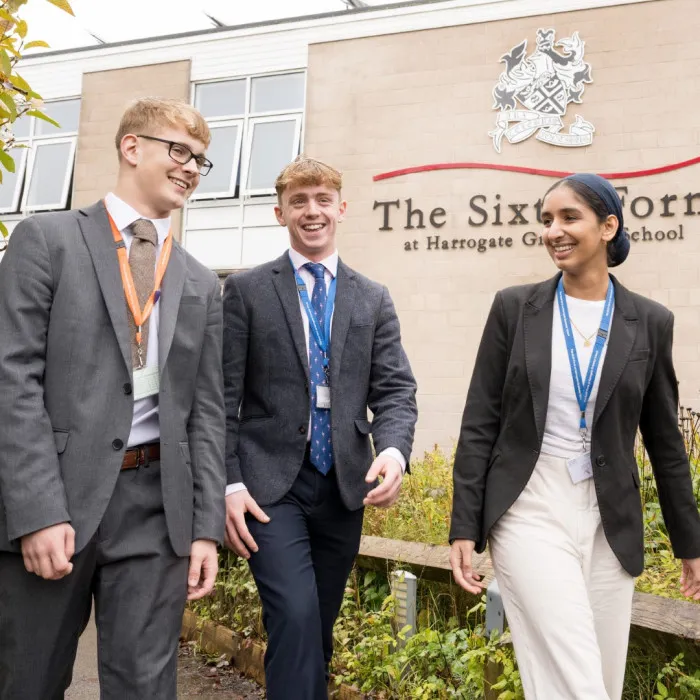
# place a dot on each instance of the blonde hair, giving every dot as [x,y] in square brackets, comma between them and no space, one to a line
[147,113]
[306,172]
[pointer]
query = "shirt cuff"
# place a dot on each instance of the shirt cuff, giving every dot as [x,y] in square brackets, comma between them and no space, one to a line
[235,488]
[396,454]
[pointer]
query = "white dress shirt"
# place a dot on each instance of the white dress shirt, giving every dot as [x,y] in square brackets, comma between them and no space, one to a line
[562,436]
[145,426]
[331,270]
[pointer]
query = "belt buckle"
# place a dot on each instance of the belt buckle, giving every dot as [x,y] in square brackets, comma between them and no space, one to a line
[142,457]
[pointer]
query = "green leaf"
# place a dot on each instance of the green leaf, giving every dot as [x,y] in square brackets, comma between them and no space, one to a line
[63,5]
[5,64]
[36,44]
[663,691]
[40,115]
[7,161]
[9,103]
[3,230]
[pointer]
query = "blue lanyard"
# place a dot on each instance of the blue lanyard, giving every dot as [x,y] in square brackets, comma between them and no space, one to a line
[584,388]
[322,335]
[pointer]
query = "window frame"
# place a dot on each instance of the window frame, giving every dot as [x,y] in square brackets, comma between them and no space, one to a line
[252,123]
[20,172]
[68,175]
[229,193]
[239,191]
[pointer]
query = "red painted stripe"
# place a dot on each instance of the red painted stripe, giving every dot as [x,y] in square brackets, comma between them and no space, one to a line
[531,171]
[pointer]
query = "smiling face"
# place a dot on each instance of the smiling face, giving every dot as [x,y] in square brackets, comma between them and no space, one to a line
[575,235]
[311,214]
[160,183]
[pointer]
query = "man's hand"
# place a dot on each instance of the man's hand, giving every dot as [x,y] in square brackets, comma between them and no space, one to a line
[47,553]
[461,561]
[690,578]
[387,492]
[204,564]
[238,537]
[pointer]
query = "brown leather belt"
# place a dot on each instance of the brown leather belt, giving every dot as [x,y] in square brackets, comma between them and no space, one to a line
[141,456]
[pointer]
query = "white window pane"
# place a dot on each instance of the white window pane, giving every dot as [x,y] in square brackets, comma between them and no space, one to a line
[277,93]
[222,153]
[263,244]
[271,150]
[222,99]
[217,249]
[10,181]
[65,112]
[20,127]
[48,177]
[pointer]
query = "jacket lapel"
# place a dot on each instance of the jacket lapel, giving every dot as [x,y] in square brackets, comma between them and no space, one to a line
[623,333]
[286,288]
[344,302]
[538,317]
[171,293]
[96,231]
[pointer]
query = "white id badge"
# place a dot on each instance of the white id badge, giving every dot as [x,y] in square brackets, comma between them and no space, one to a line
[323,396]
[146,382]
[580,467]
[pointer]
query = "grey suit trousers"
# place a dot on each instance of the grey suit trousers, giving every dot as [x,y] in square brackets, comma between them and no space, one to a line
[139,586]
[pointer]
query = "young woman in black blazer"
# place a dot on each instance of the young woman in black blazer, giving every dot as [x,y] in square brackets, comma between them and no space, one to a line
[567,371]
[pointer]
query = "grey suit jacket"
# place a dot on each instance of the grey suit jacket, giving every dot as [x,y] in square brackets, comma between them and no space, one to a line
[66,405]
[266,380]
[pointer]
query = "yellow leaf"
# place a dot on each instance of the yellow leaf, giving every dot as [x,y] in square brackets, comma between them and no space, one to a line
[63,5]
[22,28]
[36,44]
[20,83]
[9,103]
[7,161]
[3,229]
[4,14]
[5,64]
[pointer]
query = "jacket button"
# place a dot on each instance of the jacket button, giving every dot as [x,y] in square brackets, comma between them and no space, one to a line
[127,388]
[302,429]
[600,461]
[117,444]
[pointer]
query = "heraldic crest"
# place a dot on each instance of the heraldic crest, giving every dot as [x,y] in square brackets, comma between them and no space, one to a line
[543,84]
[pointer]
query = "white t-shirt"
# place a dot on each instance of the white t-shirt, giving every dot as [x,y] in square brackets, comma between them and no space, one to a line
[562,436]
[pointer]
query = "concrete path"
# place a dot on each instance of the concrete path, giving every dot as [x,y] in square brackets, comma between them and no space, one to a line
[195,678]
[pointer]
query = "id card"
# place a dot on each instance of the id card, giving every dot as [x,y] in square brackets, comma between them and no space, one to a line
[323,396]
[146,382]
[580,468]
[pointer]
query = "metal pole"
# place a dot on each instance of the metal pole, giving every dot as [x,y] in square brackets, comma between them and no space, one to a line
[404,586]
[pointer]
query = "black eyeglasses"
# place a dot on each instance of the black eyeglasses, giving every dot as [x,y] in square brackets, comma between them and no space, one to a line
[182,154]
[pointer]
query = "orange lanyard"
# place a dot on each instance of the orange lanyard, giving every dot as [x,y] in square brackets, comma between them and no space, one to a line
[140,315]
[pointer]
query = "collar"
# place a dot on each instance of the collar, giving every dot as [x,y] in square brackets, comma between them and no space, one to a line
[330,263]
[124,215]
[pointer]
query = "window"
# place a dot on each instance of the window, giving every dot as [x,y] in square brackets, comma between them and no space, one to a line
[44,157]
[256,130]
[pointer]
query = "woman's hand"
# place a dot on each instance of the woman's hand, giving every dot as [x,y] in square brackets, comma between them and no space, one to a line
[690,578]
[461,561]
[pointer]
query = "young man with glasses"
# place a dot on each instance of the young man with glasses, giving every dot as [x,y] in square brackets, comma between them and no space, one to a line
[111,400]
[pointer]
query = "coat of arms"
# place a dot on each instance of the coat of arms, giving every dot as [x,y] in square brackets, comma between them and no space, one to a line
[544,84]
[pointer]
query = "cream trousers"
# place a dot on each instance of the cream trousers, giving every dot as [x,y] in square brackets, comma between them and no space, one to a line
[567,599]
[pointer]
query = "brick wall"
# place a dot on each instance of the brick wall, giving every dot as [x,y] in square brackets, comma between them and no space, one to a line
[104,97]
[388,102]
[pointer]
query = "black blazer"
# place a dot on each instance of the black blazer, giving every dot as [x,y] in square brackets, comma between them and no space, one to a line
[504,418]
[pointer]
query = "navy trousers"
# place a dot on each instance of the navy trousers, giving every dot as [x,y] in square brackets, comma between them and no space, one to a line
[305,556]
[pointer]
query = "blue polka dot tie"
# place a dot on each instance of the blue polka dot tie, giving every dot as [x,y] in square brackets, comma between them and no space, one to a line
[320,447]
